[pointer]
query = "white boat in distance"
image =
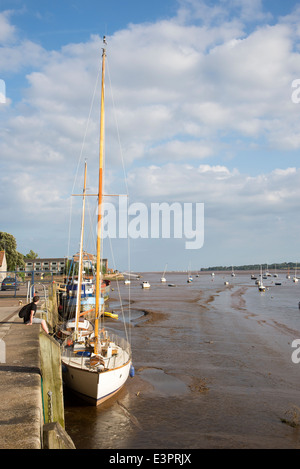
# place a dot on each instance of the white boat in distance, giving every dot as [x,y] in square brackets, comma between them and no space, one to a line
[146,284]
[96,367]
[261,286]
[295,278]
[163,278]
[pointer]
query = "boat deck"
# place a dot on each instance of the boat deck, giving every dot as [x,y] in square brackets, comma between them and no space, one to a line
[84,358]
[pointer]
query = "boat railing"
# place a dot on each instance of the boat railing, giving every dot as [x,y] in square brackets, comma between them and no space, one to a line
[76,358]
[80,357]
[119,341]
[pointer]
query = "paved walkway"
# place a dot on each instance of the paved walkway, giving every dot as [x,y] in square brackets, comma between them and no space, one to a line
[8,314]
[21,414]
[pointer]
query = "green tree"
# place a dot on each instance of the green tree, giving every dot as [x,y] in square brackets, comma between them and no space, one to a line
[9,245]
[31,255]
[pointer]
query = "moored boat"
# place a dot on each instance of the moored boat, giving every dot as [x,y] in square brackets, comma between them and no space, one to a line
[163,278]
[96,377]
[96,367]
[146,284]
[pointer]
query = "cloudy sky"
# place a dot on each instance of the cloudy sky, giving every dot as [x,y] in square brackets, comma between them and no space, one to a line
[202,107]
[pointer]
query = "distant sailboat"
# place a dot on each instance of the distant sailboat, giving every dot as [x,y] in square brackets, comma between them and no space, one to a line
[261,286]
[267,273]
[295,279]
[163,278]
[190,278]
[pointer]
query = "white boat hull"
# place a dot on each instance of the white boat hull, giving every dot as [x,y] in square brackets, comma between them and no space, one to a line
[95,386]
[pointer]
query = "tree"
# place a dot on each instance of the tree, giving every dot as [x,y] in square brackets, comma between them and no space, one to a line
[9,245]
[31,255]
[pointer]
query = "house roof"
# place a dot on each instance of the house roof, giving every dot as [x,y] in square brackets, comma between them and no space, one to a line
[87,257]
[46,259]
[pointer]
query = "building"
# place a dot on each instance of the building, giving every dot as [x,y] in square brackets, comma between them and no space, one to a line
[58,265]
[89,261]
[3,265]
[53,265]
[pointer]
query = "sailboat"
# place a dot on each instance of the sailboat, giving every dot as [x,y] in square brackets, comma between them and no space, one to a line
[96,367]
[189,278]
[261,286]
[81,300]
[295,279]
[163,278]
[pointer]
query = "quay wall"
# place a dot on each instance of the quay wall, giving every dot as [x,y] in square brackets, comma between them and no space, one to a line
[31,404]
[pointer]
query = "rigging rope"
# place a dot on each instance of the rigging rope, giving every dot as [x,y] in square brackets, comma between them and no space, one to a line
[127,191]
[126,184]
[80,155]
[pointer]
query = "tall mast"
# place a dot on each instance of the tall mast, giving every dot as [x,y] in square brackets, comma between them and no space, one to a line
[100,195]
[78,299]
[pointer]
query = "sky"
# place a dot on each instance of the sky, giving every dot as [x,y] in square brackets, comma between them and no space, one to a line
[202,112]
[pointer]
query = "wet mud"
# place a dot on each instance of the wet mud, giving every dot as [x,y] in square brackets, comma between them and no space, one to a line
[213,369]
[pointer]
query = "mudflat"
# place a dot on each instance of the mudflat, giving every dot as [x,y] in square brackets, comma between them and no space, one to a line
[213,368]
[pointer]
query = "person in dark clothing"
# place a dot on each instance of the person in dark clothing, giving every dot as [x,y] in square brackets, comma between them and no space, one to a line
[29,318]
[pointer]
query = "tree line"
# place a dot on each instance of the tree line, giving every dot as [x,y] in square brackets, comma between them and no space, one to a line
[277,266]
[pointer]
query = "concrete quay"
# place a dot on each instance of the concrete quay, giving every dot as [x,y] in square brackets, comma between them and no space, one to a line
[30,371]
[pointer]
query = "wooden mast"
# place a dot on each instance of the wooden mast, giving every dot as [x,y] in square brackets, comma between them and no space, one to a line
[100,195]
[78,298]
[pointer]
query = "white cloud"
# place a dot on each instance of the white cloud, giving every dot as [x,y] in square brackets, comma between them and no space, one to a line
[7,30]
[27,54]
[176,150]
[222,190]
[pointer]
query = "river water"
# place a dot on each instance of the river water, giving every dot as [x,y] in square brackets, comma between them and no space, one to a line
[213,367]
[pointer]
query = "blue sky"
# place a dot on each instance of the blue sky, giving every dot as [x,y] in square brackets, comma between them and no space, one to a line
[56,23]
[202,95]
